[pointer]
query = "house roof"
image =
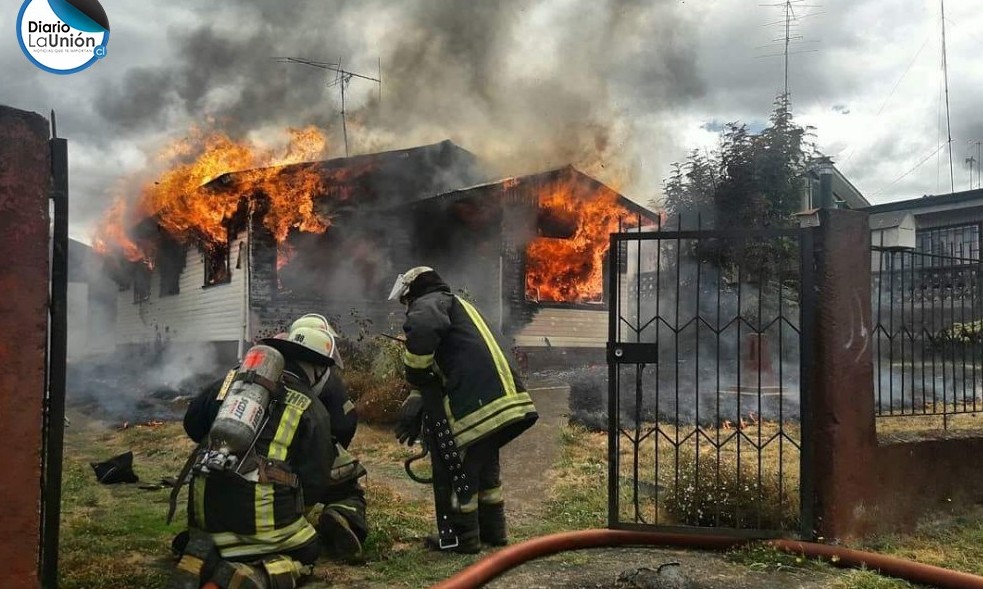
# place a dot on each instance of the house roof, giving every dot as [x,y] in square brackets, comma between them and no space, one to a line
[537,178]
[391,177]
[931,203]
[844,190]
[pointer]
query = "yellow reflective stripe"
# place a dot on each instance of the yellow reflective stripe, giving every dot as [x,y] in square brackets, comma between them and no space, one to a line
[282,439]
[348,407]
[197,491]
[191,564]
[417,361]
[490,495]
[297,534]
[501,364]
[509,413]
[521,400]
[469,507]
[280,566]
[345,507]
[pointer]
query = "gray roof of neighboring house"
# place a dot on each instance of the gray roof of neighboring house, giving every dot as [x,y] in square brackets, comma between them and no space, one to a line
[936,202]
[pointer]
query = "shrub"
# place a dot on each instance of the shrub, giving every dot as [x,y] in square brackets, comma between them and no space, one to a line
[374,375]
[717,493]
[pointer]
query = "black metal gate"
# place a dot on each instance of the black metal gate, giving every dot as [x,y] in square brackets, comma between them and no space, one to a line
[707,355]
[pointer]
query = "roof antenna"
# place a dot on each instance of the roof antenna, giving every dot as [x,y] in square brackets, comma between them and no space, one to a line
[789,37]
[945,74]
[341,79]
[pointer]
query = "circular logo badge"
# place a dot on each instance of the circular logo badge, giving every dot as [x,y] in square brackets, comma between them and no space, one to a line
[63,36]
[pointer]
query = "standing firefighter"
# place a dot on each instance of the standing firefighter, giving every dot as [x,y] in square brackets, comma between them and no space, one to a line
[264,458]
[468,400]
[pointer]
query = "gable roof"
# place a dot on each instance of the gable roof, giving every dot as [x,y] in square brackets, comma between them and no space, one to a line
[390,177]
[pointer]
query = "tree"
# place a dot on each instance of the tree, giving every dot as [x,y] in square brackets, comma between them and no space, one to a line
[751,181]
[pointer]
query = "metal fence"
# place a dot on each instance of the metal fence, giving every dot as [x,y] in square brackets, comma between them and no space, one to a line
[706,403]
[927,307]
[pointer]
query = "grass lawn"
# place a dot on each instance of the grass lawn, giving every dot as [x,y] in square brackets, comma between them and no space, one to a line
[114,537]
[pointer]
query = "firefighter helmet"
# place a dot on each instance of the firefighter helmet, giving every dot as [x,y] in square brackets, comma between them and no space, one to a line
[307,344]
[314,320]
[404,280]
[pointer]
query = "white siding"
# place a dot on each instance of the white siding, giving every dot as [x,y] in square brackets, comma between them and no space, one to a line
[78,313]
[196,314]
[565,328]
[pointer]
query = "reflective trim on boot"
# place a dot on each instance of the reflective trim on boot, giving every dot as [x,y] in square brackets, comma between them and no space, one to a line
[285,572]
[237,575]
[198,559]
[491,522]
[339,540]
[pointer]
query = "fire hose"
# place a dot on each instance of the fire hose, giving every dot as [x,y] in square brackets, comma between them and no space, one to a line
[495,564]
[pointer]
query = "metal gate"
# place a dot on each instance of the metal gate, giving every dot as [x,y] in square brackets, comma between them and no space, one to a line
[708,352]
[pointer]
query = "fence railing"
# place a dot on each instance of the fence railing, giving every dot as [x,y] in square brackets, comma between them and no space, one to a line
[928,333]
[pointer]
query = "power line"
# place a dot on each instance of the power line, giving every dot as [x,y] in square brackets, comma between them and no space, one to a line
[912,169]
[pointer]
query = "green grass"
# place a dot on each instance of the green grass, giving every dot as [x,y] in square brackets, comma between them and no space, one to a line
[114,537]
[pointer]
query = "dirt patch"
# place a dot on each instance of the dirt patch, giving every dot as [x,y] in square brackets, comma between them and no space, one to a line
[528,459]
[600,569]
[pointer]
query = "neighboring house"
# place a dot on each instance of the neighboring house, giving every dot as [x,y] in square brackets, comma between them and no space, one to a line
[845,194]
[944,224]
[498,243]
[91,304]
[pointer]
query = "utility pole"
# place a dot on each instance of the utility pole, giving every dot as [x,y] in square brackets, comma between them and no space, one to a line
[971,160]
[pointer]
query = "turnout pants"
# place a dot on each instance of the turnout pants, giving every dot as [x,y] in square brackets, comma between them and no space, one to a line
[482,518]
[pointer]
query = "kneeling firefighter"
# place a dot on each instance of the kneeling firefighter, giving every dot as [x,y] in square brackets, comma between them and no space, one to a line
[341,518]
[265,455]
[468,402]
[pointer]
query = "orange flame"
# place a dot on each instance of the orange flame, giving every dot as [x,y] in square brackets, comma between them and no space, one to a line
[569,269]
[181,206]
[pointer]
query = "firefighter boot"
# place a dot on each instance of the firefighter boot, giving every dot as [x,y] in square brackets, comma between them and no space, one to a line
[466,528]
[199,557]
[491,522]
[275,572]
[339,540]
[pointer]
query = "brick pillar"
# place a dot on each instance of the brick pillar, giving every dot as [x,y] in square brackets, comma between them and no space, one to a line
[844,439]
[25,173]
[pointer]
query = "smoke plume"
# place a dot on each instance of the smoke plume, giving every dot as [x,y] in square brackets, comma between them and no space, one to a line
[526,86]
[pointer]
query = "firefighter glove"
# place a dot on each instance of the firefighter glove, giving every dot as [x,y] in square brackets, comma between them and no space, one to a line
[410,419]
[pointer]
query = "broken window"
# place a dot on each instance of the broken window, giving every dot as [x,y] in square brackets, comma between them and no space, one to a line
[141,282]
[170,263]
[217,265]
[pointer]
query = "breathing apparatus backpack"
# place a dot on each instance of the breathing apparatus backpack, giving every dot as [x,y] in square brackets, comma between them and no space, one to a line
[246,395]
[244,411]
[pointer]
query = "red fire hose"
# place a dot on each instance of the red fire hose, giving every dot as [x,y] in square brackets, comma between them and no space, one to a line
[495,564]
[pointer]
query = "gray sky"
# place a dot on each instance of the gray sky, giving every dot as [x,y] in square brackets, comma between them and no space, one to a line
[621,88]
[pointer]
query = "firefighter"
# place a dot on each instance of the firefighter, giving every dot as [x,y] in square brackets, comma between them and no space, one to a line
[474,403]
[248,529]
[341,516]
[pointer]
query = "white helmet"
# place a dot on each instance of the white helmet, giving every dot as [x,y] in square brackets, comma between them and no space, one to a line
[307,344]
[404,280]
[314,320]
[319,322]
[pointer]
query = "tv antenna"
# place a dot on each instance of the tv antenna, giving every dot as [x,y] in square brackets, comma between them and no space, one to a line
[790,36]
[340,80]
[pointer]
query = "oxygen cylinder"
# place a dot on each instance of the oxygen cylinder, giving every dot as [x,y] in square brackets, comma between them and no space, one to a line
[241,415]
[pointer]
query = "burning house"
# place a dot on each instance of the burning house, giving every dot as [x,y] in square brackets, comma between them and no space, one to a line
[330,237]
